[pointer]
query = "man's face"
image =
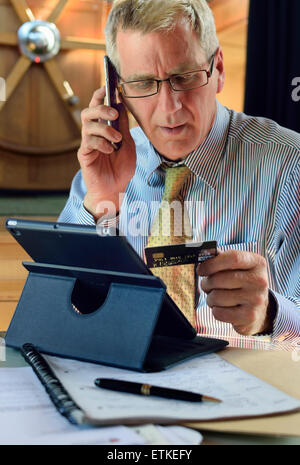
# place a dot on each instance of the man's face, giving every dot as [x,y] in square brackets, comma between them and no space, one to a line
[175,122]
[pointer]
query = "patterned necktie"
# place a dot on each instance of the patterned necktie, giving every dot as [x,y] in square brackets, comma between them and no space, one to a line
[172,226]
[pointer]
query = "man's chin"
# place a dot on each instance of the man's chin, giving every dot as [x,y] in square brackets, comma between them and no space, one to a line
[174,150]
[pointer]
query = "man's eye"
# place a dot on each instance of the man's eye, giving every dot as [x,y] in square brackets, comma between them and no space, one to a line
[185,78]
[143,85]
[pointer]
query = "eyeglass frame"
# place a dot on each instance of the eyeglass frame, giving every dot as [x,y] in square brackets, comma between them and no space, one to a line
[159,81]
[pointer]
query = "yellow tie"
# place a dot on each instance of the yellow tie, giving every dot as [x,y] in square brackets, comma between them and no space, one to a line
[172,226]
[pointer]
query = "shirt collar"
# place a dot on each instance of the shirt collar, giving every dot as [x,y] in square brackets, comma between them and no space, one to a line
[205,159]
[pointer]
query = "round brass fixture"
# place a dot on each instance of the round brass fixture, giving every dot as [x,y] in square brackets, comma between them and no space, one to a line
[39,40]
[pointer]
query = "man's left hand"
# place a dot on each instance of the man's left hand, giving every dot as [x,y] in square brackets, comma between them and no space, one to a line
[237,288]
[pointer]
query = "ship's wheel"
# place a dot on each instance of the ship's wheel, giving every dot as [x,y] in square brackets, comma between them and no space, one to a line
[40,44]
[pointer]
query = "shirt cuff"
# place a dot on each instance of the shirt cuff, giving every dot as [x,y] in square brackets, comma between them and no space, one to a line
[84,216]
[104,226]
[287,321]
[109,222]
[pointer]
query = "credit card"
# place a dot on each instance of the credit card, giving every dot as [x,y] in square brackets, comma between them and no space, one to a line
[180,254]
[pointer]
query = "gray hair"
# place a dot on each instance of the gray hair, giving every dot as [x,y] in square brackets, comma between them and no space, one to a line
[160,15]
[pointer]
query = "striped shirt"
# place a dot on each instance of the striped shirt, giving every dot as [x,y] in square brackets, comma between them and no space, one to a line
[243,192]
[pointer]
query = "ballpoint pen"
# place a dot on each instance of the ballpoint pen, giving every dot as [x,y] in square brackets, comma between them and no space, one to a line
[149,390]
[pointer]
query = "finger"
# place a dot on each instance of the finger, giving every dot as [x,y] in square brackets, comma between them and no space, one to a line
[237,316]
[221,280]
[227,298]
[94,143]
[102,130]
[98,97]
[99,112]
[230,260]
[244,321]
[235,279]
[87,159]
[233,297]
[97,101]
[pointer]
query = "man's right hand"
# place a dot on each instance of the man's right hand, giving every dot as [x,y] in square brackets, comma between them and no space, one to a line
[106,172]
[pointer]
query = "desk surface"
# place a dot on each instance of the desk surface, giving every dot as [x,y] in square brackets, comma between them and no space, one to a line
[279,368]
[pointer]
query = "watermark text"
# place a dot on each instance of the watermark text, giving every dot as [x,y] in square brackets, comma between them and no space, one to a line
[296,90]
[2,90]
[164,218]
[2,350]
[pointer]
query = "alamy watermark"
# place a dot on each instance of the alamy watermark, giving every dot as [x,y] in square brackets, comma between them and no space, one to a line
[141,217]
[296,352]
[2,90]
[2,350]
[296,90]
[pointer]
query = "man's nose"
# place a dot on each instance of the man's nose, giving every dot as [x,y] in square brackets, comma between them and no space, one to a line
[168,99]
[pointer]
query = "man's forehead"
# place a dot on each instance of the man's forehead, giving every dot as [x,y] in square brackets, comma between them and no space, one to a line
[174,52]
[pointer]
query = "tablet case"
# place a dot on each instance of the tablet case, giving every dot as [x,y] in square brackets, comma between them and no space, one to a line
[110,317]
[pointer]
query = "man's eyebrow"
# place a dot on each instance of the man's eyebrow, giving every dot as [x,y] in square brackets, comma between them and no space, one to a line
[140,77]
[183,68]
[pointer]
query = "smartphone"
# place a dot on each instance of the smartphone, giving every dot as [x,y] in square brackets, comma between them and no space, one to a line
[111,84]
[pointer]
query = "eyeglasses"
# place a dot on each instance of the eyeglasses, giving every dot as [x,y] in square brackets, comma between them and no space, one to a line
[179,83]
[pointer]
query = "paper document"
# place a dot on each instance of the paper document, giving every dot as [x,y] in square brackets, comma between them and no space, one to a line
[164,435]
[28,417]
[242,394]
[180,435]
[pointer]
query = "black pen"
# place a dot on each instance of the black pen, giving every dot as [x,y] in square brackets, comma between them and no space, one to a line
[149,390]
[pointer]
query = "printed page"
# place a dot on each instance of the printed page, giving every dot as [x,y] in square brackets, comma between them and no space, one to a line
[164,435]
[242,394]
[29,417]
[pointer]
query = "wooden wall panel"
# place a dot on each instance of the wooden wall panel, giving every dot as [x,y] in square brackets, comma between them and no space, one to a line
[35,123]
[229,12]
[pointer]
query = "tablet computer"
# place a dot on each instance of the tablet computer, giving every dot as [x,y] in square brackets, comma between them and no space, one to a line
[76,245]
[81,247]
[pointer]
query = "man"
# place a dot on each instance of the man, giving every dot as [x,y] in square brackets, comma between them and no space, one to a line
[242,189]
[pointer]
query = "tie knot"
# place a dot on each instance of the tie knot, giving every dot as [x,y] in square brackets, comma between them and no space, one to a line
[174,180]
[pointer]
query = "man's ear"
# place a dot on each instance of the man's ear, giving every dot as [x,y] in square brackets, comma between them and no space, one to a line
[219,66]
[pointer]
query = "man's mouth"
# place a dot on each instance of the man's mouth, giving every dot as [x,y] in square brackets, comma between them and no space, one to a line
[173,130]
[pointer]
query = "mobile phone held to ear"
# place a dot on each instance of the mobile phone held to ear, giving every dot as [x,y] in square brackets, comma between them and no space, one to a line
[111,82]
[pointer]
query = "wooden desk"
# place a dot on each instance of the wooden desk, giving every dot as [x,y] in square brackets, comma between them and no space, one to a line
[274,367]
